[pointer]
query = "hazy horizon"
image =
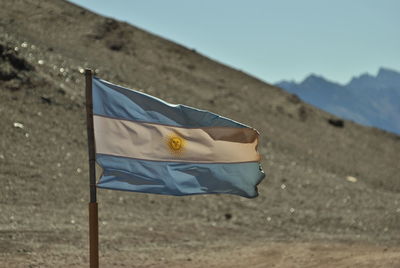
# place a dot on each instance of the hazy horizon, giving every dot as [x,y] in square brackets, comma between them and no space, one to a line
[337,82]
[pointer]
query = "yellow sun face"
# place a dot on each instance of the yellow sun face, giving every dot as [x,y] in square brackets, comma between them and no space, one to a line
[175,143]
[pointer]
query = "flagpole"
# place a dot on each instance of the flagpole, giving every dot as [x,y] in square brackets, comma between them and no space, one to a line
[93,210]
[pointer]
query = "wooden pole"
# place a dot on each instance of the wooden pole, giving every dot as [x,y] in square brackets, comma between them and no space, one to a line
[93,210]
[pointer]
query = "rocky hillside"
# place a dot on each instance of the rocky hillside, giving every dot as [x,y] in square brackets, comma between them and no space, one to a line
[327,179]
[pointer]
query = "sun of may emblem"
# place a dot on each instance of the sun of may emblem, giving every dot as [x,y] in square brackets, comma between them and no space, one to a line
[176,144]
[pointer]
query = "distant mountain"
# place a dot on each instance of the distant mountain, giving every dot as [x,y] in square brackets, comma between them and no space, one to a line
[366,99]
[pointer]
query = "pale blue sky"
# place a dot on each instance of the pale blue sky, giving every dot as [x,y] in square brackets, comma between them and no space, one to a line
[274,40]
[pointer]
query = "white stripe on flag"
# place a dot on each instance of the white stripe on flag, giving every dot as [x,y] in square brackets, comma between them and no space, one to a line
[157,142]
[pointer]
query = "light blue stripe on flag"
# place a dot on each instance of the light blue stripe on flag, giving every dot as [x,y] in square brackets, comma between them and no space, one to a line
[117,102]
[178,178]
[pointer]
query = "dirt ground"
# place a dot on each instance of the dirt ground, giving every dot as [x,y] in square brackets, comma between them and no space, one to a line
[330,198]
[268,254]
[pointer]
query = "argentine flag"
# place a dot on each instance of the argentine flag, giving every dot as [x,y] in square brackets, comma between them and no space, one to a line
[144,144]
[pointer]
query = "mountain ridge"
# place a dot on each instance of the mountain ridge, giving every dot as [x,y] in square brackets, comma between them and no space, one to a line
[366,99]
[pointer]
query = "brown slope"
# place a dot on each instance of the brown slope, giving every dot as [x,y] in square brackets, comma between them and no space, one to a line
[43,166]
